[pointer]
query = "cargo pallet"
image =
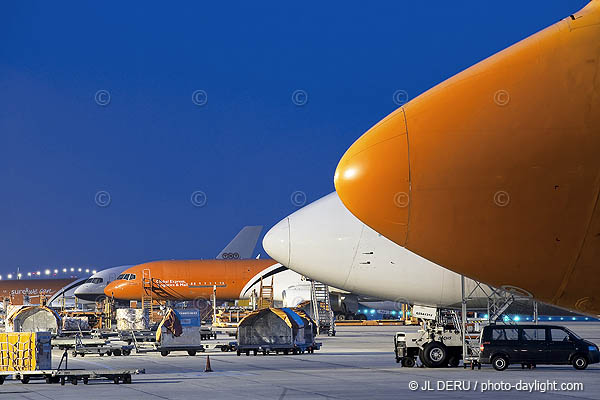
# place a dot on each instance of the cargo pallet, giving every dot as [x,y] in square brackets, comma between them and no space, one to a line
[277,349]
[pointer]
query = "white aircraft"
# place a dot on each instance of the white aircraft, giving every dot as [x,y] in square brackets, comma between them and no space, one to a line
[325,242]
[92,289]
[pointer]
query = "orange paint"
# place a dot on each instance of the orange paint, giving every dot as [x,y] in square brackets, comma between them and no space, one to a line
[188,279]
[495,173]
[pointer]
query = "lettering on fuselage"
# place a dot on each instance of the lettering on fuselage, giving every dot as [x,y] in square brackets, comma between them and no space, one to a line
[29,292]
[172,283]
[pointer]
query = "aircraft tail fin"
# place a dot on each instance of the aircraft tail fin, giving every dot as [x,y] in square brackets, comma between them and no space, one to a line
[243,244]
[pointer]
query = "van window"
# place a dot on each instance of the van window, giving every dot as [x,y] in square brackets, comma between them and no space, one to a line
[505,334]
[534,334]
[558,335]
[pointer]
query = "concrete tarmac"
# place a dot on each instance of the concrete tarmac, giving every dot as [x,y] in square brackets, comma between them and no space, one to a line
[358,363]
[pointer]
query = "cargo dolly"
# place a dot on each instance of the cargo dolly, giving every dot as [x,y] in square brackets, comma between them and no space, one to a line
[285,349]
[190,349]
[73,376]
[137,336]
[101,349]
[106,349]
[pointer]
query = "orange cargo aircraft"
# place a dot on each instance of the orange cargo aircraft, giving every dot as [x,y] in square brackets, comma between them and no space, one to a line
[193,279]
[495,173]
[15,290]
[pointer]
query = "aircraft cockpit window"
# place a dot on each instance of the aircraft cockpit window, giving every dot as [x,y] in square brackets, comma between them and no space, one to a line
[97,280]
[131,277]
[122,276]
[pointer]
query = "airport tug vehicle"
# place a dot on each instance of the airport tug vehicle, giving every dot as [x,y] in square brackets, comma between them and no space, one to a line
[438,343]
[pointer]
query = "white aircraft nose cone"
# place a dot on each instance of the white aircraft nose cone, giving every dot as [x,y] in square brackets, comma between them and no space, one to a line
[277,242]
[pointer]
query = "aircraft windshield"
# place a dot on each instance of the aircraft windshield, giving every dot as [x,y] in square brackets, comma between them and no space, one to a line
[126,277]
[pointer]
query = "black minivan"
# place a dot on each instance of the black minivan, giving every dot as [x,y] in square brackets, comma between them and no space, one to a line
[530,345]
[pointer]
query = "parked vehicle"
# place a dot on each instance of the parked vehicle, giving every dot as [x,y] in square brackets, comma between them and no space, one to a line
[530,345]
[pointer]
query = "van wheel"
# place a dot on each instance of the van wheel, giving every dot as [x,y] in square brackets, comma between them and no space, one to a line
[500,363]
[580,362]
[435,354]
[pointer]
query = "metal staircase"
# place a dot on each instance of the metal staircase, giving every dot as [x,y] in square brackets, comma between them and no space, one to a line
[321,304]
[498,302]
[147,286]
[265,297]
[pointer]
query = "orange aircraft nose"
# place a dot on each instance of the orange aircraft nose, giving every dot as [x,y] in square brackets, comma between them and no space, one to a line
[491,173]
[121,290]
[372,178]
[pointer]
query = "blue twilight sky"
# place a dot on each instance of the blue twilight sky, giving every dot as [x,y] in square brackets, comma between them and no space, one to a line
[248,148]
